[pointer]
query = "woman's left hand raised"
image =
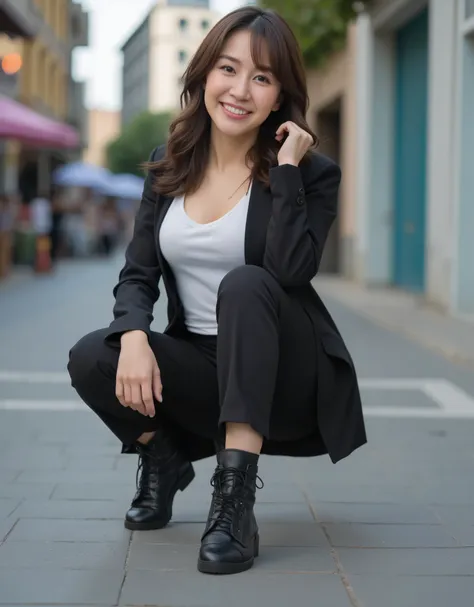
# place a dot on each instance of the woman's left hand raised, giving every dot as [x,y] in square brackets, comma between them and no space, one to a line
[296,144]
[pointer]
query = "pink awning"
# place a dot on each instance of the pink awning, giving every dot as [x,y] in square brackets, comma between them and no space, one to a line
[20,122]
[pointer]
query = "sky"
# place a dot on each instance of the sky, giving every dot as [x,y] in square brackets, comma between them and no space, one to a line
[110,23]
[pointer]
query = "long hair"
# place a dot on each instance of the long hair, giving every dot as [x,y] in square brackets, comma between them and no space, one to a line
[187,152]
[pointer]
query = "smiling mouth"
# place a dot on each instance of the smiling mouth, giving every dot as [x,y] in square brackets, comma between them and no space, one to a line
[235,111]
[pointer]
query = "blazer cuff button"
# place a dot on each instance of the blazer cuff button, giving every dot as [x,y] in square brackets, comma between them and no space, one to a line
[300,201]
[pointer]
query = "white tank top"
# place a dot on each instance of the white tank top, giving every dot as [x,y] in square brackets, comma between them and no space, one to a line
[200,255]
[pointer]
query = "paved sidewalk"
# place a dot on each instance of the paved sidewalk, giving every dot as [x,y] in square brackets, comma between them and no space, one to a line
[406,314]
[393,526]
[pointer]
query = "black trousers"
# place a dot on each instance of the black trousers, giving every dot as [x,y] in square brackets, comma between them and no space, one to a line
[260,369]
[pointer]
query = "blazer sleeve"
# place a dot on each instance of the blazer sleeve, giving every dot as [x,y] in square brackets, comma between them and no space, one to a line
[303,212]
[137,289]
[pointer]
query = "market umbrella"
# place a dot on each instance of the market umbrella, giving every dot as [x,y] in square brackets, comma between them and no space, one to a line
[82,174]
[123,185]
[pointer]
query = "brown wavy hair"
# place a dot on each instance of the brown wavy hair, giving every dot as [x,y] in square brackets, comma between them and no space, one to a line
[182,168]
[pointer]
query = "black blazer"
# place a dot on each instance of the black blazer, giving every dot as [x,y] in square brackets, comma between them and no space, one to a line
[287,226]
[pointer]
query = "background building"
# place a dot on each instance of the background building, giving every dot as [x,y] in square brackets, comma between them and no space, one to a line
[42,84]
[415,88]
[104,126]
[332,114]
[157,53]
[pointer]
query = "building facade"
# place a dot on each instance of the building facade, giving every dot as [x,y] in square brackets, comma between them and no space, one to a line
[414,205]
[157,53]
[43,85]
[332,114]
[104,126]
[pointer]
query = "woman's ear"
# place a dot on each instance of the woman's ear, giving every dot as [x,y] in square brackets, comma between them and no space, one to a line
[278,103]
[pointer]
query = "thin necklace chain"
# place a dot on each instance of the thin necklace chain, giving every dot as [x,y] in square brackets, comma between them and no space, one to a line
[235,192]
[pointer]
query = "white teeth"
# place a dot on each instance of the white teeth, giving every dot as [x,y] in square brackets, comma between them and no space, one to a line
[234,110]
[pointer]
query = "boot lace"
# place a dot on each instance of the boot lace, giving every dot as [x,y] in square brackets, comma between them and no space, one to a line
[229,505]
[142,477]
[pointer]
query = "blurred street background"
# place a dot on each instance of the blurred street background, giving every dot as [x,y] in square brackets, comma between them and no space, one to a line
[87,90]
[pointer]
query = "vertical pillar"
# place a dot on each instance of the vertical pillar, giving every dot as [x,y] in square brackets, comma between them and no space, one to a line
[463,284]
[442,83]
[375,76]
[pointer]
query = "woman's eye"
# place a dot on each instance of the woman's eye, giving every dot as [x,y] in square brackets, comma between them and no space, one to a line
[264,79]
[227,68]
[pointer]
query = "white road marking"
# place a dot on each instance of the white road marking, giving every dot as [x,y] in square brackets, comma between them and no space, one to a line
[12,404]
[34,377]
[449,400]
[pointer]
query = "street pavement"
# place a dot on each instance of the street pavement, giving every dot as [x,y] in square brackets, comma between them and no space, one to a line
[391,526]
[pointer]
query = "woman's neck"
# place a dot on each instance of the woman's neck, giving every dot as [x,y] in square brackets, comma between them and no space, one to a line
[228,153]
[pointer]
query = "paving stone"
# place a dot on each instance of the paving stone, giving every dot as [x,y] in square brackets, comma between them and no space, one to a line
[389,536]
[459,515]
[7,506]
[92,491]
[166,588]
[6,525]
[464,535]
[157,557]
[24,490]
[280,512]
[69,531]
[375,513]
[402,561]
[63,555]
[104,463]
[73,509]
[458,493]
[409,591]
[87,475]
[375,493]
[9,475]
[47,586]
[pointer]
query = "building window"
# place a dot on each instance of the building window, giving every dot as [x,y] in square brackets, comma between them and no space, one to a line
[183,24]
[205,24]
[182,56]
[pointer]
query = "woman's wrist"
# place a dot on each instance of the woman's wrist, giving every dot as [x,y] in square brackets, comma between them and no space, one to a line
[133,336]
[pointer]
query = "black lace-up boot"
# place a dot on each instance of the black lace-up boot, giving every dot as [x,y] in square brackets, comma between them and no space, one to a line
[230,540]
[162,470]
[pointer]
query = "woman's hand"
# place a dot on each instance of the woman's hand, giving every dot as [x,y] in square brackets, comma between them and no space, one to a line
[138,375]
[295,145]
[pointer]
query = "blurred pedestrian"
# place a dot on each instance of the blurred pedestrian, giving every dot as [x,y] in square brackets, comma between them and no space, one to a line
[41,219]
[6,234]
[108,226]
[235,213]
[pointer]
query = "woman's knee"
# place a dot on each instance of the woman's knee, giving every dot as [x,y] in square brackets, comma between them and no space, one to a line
[246,279]
[85,357]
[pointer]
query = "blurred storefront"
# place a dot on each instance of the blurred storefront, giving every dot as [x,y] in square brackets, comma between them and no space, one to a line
[36,83]
[415,143]
[43,121]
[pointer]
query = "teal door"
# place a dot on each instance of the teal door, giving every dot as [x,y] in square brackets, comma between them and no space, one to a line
[411,100]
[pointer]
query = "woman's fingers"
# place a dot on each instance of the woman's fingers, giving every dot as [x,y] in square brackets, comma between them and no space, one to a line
[147,397]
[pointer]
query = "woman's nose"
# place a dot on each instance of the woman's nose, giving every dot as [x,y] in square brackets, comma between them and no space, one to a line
[240,88]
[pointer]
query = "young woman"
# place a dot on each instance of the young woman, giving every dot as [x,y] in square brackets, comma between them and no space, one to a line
[234,216]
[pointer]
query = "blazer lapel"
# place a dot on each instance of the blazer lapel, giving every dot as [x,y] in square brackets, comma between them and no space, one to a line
[259,213]
[164,203]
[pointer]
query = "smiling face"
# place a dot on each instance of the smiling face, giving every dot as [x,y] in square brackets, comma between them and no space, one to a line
[239,96]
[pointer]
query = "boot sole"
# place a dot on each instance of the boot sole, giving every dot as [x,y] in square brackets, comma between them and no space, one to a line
[181,485]
[223,568]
